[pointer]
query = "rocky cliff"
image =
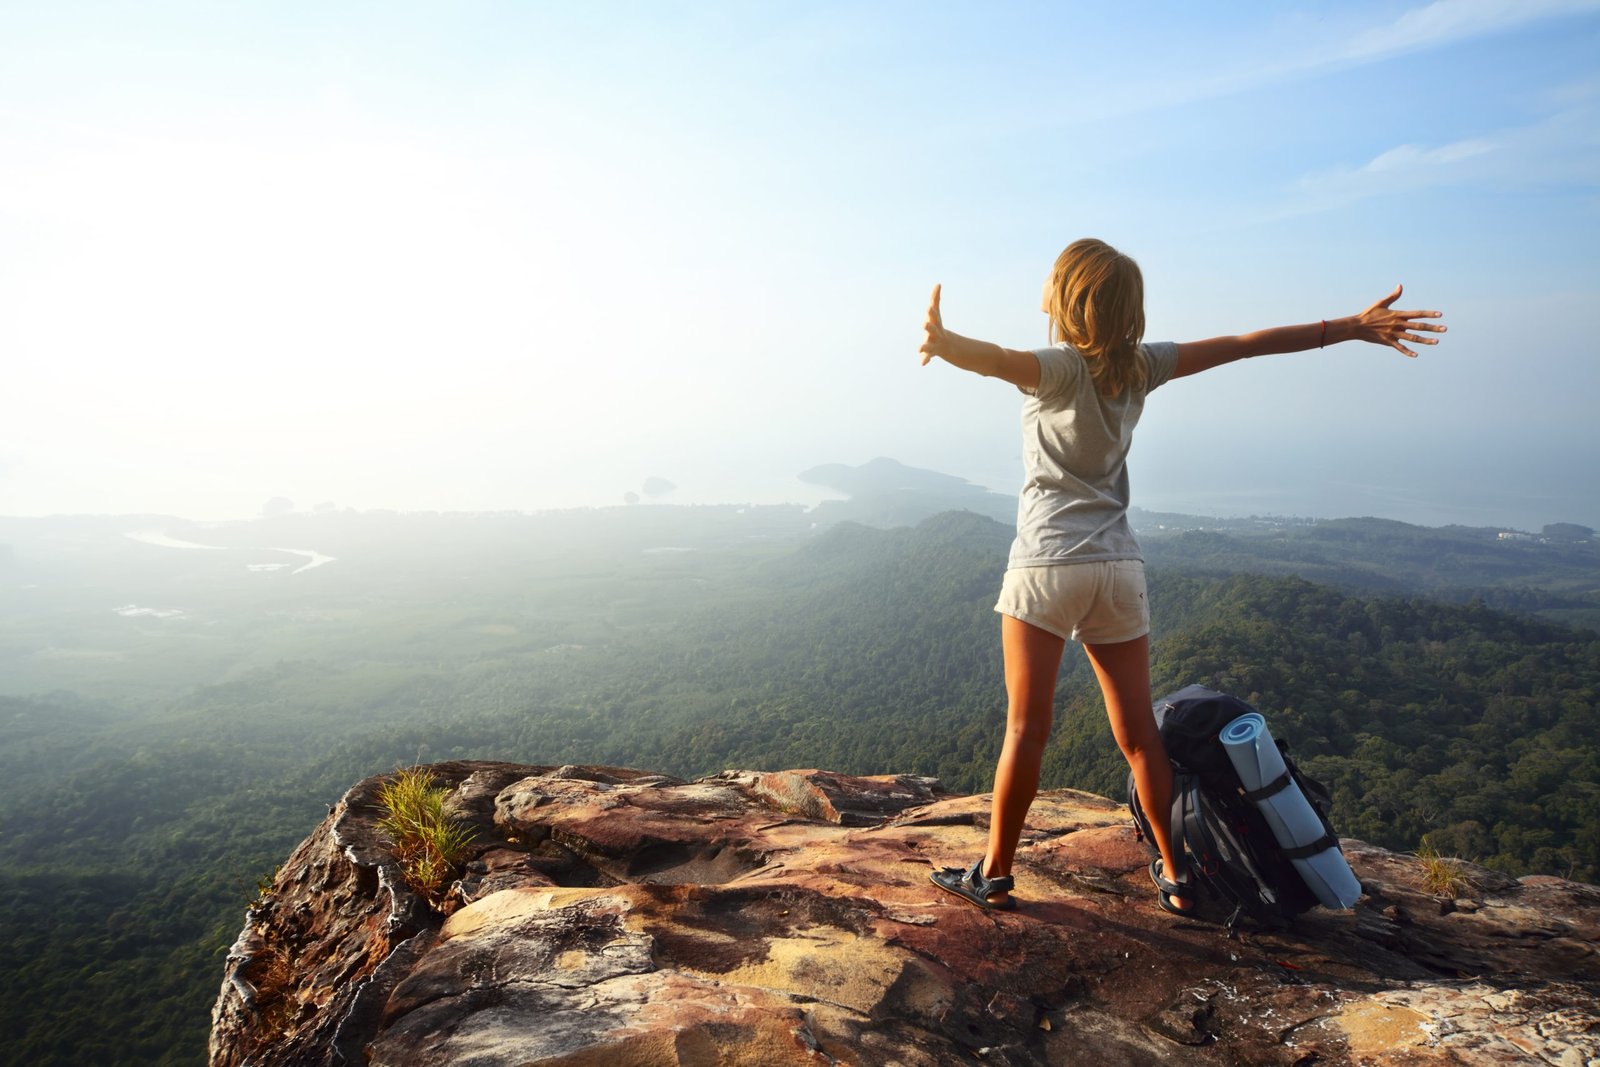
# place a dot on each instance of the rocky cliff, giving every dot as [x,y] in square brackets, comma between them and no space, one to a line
[614,918]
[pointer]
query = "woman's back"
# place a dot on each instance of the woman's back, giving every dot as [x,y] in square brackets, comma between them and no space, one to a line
[1075,441]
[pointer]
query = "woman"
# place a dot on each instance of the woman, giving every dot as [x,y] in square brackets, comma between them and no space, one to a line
[1075,570]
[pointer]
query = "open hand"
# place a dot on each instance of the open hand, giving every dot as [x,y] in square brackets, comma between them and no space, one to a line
[1382,325]
[933,327]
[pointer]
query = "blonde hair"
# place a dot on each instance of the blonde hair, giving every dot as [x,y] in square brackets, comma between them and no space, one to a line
[1095,300]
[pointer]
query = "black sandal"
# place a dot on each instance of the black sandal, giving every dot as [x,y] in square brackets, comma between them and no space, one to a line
[1166,889]
[972,886]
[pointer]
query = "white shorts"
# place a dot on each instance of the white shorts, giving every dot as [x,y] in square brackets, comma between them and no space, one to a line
[1099,602]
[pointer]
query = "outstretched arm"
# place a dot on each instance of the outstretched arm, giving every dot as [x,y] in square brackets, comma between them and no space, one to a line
[979,357]
[1379,324]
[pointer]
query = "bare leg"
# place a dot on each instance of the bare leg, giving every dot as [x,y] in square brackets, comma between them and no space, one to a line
[1124,673]
[1033,656]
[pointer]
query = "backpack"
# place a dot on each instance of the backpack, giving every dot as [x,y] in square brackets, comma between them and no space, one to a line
[1232,857]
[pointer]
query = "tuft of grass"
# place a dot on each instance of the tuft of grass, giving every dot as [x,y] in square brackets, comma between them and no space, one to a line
[1443,876]
[427,840]
[263,891]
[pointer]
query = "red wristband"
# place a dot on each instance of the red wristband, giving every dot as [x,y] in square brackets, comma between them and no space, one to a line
[1324,334]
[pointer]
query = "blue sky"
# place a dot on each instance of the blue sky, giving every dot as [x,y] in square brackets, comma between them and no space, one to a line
[497,255]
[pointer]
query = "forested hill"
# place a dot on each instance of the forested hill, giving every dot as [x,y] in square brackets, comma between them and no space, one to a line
[1476,729]
[129,842]
[1554,574]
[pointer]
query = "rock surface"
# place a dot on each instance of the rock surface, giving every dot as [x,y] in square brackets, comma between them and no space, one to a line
[616,918]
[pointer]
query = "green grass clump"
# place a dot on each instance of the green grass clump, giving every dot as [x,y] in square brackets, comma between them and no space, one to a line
[263,891]
[1443,876]
[428,842]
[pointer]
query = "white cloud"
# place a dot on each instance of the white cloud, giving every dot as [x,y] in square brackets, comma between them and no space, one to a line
[1561,150]
[1444,22]
[1264,59]
[1408,157]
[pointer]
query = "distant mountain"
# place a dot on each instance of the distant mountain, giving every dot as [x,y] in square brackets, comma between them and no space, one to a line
[1554,574]
[1554,577]
[885,492]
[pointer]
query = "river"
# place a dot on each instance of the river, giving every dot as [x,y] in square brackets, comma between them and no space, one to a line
[160,538]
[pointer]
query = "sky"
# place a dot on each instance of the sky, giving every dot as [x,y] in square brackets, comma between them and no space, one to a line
[486,256]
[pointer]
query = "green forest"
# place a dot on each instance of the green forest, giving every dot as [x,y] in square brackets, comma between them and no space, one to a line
[160,765]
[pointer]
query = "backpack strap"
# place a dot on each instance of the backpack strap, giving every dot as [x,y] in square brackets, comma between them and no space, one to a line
[1277,785]
[1322,844]
[1175,816]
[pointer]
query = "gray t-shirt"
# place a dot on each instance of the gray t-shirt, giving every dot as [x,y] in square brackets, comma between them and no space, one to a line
[1074,501]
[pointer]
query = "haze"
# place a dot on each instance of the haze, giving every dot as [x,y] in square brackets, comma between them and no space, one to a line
[516,256]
